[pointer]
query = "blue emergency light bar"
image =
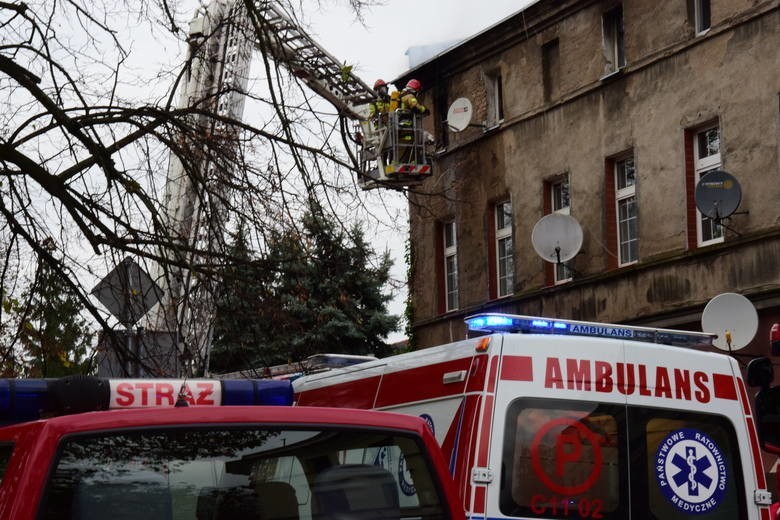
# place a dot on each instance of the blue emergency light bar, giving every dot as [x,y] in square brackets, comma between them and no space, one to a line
[491,323]
[24,400]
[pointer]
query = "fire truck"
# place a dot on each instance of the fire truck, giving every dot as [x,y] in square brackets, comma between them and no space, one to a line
[554,419]
[83,448]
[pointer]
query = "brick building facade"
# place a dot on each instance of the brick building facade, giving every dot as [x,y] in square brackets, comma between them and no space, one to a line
[609,112]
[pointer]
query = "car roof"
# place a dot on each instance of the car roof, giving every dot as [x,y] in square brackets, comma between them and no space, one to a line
[239,415]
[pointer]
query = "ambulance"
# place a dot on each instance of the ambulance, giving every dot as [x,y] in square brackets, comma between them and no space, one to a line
[556,419]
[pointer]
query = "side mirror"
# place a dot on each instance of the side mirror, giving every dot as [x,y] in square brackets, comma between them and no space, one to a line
[760,373]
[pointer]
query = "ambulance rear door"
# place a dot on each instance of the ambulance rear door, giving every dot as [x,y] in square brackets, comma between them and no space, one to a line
[554,449]
[692,444]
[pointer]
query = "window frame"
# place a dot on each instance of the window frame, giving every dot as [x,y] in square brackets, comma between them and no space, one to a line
[613,40]
[561,272]
[494,95]
[702,16]
[450,270]
[702,166]
[504,234]
[624,194]
[551,69]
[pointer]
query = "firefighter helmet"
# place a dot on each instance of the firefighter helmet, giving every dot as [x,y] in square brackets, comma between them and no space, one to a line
[414,85]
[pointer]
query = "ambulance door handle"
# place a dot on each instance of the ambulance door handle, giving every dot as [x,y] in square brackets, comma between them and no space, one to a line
[762,497]
[481,475]
[454,377]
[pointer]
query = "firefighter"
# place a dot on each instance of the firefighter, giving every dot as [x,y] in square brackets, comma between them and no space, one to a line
[376,125]
[381,105]
[409,97]
[409,133]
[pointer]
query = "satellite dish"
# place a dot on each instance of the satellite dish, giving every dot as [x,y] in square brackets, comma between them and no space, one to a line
[733,318]
[459,114]
[557,237]
[717,194]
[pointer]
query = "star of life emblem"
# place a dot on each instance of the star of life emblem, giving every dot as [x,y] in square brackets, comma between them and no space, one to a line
[691,471]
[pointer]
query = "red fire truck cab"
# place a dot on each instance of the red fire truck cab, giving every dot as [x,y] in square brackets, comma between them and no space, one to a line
[157,458]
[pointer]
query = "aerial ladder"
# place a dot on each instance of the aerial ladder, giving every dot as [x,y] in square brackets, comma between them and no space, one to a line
[391,150]
[387,152]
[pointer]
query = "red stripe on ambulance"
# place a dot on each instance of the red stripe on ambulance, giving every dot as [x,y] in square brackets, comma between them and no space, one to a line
[421,383]
[517,368]
[358,393]
[492,376]
[476,381]
[724,386]
[468,445]
[745,402]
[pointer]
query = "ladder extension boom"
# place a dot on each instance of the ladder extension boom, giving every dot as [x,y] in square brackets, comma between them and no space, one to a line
[315,66]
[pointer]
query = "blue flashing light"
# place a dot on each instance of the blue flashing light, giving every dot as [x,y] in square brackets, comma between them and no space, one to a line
[508,323]
[22,399]
[252,392]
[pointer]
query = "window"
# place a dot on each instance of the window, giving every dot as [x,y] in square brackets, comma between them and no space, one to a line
[612,26]
[450,266]
[625,200]
[550,69]
[560,196]
[701,13]
[495,99]
[188,473]
[559,191]
[706,155]
[572,459]
[505,265]
[442,103]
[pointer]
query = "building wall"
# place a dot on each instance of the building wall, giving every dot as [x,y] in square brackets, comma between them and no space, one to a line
[673,81]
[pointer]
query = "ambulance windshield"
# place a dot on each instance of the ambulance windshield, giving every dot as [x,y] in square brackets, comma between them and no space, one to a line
[227,473]
[565,459]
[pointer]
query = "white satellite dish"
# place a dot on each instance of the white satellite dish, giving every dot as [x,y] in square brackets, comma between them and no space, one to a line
[459,114]
[733,318]
[557,238]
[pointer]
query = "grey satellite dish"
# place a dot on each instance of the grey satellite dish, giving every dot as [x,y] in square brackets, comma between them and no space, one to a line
[718,194]
[733,318]
[557,238]
[459,114]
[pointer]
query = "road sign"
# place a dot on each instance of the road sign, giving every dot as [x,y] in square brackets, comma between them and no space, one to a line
[128,292]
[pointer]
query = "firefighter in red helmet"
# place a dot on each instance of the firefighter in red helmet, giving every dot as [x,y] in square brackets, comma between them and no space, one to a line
[409,97]
[380,105]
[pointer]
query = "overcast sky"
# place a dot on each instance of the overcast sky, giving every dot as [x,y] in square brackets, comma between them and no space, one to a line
[378,49]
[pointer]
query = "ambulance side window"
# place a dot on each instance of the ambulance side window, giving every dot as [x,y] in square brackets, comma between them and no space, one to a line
[578,459]
[692,465]
[564,459]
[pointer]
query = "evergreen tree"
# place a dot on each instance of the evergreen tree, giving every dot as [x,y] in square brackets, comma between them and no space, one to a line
[315,291]
[55,338]
[238,327]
